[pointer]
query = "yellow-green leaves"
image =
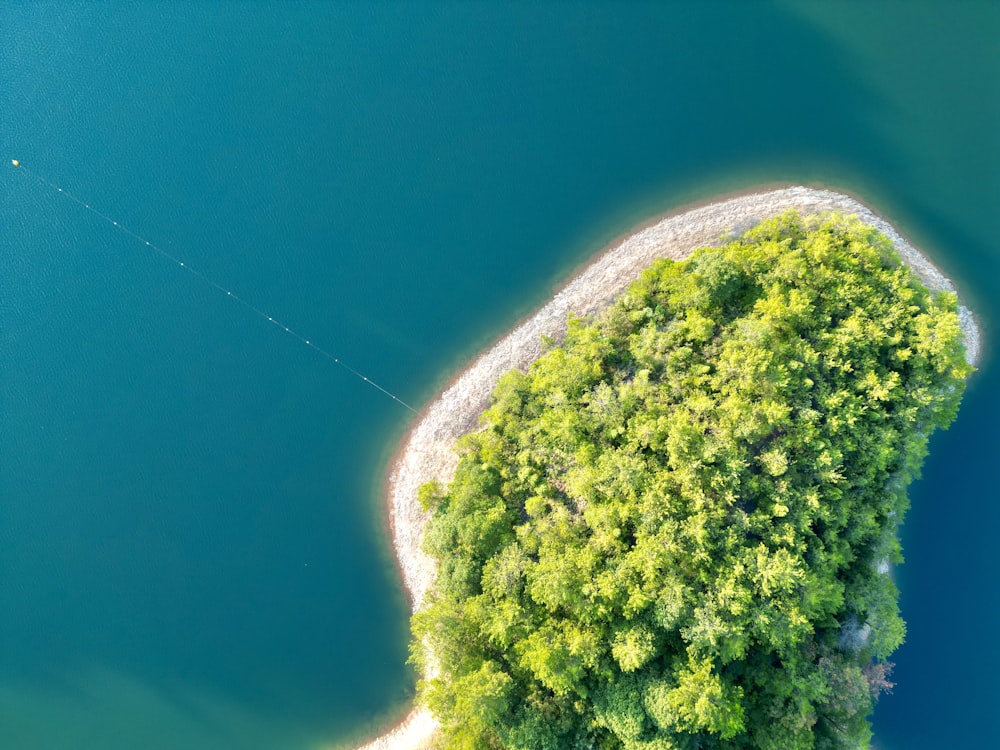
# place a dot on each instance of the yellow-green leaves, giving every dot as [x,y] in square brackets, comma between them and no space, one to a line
[703,702]
[775,463]
[652,542]
[633,647]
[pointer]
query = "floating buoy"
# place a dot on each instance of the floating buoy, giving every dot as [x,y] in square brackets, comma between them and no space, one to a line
[211,282]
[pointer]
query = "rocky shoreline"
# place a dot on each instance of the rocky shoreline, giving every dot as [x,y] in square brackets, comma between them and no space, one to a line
[426,452]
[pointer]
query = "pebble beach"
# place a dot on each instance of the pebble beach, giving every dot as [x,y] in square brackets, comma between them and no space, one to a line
[426,453]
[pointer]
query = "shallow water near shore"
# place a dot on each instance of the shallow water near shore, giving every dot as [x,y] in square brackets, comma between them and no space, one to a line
[192,547]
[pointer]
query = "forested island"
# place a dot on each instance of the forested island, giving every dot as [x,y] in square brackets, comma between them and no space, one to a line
[673,531]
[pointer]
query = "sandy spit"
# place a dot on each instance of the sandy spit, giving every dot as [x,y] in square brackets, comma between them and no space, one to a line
[427,450]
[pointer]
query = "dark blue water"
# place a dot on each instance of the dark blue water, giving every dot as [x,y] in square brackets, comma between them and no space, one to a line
[192,546]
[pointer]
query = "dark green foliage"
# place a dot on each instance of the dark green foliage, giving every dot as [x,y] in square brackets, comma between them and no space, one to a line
[667,534]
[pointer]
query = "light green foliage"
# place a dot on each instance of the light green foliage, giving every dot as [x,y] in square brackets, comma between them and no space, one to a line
[657,536]
[704,702]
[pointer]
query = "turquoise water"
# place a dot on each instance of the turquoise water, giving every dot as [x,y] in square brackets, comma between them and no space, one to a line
[192,547]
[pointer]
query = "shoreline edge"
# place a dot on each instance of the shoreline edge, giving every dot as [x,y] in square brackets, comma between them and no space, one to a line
[426,451]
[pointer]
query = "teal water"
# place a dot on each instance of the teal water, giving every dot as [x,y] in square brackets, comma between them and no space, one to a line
[192,546]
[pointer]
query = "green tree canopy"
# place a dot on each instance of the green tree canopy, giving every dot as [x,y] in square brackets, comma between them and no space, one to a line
[667,534]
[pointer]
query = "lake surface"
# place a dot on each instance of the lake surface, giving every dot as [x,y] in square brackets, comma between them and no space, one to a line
[192,543]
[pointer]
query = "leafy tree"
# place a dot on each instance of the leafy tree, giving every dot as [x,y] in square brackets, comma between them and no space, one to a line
[669,532]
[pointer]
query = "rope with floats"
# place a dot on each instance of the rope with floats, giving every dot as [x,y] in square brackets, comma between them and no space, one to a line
[215,285]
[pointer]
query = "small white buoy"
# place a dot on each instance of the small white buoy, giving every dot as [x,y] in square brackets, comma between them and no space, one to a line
[15,162]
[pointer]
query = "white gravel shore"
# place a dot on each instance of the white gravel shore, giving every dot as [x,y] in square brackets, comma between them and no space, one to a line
[427,451]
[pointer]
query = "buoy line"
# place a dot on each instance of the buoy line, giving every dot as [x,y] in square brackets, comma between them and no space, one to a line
[212,283]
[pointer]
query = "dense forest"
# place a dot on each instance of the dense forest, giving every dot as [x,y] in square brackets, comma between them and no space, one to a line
[676,530]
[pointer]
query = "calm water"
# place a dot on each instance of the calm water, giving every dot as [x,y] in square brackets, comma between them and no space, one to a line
[192,551]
